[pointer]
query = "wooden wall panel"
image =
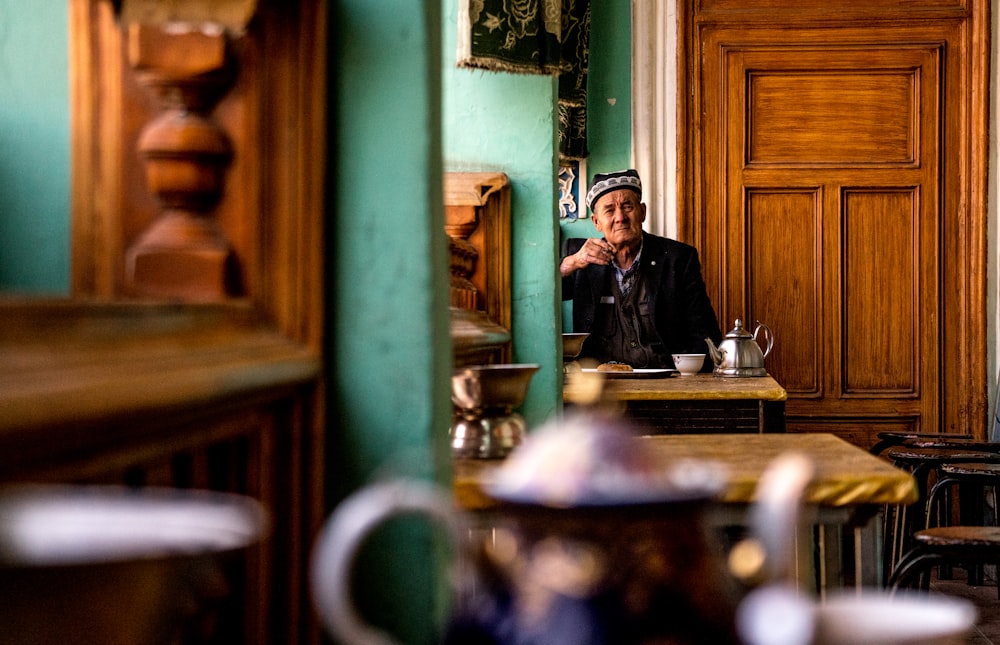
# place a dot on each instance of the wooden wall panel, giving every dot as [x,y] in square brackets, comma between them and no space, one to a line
[881,301]
[863,116]
[785,286]
[860,430]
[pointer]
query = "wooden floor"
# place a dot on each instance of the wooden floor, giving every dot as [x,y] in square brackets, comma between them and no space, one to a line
[986,601]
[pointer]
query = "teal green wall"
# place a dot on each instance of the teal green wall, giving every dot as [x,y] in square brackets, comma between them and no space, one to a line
[609,87]
[609,106]
[390,351]
[508,123]
[34,147]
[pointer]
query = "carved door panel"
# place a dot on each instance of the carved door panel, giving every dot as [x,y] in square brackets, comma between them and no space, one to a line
[831,208]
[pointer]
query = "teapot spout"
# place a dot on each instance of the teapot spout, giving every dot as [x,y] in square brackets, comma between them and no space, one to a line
[713,351]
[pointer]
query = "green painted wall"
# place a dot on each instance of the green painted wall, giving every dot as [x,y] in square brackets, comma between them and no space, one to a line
[496,121]
[34,147]
[609,106]
[609,87]
[390,348]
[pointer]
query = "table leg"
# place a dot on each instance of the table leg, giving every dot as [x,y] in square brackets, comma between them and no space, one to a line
[868,557]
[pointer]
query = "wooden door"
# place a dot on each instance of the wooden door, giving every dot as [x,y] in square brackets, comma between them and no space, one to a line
[837,187]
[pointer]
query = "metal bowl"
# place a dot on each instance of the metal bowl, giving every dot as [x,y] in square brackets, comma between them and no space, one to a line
[572,345]
[105,564]
[501,386]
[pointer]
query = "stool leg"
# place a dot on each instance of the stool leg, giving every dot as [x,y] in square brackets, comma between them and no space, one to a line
[898,532]
[907,518]
[971,508]
[992,492]
[935,500]
[911,568]
[938,513]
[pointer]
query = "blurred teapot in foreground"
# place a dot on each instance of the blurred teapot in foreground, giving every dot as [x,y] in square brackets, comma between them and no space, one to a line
[739,354]
[592,542]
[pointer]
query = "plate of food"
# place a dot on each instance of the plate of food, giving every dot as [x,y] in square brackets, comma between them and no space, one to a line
[621,370]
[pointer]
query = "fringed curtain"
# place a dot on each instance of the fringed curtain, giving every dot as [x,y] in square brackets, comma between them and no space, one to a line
[534,37]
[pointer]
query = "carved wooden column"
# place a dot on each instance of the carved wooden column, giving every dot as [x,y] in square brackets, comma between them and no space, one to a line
[477,220]
[184,255]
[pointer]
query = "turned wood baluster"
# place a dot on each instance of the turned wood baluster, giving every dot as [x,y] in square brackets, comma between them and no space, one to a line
[183,255]
[460,222]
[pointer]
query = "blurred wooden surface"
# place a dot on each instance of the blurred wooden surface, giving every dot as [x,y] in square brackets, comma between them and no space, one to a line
[700,403]
[695,387]
[845,476]
[74,369]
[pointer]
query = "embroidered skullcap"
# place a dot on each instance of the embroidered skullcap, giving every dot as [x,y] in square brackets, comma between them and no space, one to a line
[608,182]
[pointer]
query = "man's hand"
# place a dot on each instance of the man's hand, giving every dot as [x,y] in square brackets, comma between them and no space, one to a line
[594,251]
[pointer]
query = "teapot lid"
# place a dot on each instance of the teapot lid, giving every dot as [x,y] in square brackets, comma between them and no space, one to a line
[738,331]
[590,460]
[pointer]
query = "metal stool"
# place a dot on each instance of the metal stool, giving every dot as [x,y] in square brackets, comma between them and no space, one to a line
[968,545]
[922,462]
[972,480]
[888,440]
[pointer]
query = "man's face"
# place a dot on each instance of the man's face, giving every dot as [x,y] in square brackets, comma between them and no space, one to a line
[619,216]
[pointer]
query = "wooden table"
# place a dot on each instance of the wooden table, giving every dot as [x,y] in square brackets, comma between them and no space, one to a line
[848,488]
[697,404]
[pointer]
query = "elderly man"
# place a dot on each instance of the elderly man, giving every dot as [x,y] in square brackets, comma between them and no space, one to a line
[640,296]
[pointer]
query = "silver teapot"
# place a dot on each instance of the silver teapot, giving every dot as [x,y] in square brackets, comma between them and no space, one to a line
[739,353]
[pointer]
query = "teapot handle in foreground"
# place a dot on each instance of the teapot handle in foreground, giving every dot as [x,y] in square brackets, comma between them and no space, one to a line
[341,537]
[768,336]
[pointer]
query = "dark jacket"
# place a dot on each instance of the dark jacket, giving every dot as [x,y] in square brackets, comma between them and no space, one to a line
[682,312]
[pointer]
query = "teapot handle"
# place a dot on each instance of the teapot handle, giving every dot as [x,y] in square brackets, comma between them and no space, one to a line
[341,537]
[768,336]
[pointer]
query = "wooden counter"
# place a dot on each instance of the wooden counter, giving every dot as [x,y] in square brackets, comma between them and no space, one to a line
[696,404]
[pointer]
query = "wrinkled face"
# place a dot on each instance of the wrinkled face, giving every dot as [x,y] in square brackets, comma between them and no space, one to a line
[619,216]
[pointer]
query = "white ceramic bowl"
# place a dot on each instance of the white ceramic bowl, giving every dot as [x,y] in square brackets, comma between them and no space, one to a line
[779,614]
[902,619]
[688,364]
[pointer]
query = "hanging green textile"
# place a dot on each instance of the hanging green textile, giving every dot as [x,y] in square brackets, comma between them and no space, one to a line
[534,37]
